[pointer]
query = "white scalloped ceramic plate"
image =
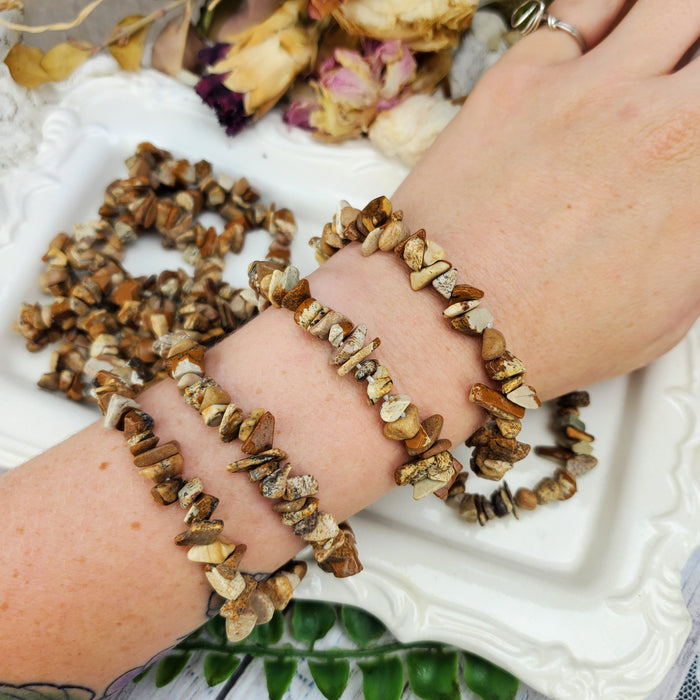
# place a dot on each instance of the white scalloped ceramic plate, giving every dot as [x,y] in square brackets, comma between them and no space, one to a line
[580,600]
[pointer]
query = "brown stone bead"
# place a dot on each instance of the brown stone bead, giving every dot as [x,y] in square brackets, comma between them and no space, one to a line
[496,404]
[165,469]
[230,422]
[229,567]
[418,443]
[261,472]
[157,454]
[576,434]
[307,311]
[142,442]
[295,296]
[310,507]
[358,357]
[508,449]
[547,490]
[166,491]
[467,508]
[344,560]
[509,428]
[136,422]
[526,499]
[202,508]
[289,506]
[413,251]
[260,439]
[480,437]
[251,420]
[279,589]
[233,608]
[272,455]
[444,492]
[493,344]
[200,532]
[553,452]
[305,526]
[574,399]
[323,550]
[465,292]
[195,392]
[438,446]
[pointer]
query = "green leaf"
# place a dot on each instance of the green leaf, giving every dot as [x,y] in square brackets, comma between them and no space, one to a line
[487,680]
[360,625]
[433,674]
[330,676]
[382,679]
[270,633]
[279,674]
[170,667]
[312,620]
[218,667]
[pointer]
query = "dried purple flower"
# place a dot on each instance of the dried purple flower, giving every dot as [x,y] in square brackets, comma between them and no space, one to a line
[227,104]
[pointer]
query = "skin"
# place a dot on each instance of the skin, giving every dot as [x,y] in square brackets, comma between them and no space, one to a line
[581,227]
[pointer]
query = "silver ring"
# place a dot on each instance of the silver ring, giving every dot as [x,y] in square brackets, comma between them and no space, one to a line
[528,17]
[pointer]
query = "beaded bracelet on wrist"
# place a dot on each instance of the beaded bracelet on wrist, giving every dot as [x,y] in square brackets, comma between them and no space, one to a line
[495,448]
[247,601]
[296,496]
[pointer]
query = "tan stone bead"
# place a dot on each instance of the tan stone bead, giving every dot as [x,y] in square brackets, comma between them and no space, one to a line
[566,483]
[136,422]
[300,487]
[378,385]
[376,213]
[371,243]
[289,506]
[509,449]
[279,589]
[524,396]
[214,395]
[229,588]
[240,627]
[295,296]
[496,404]
[393,233]
[426,486]
[404,427]
[352,344]
[509,428]
[576,434]
[410,472]
[214,553]
[261,437]
[325,528]
[187,380]
[423,277]
[493,344]
[234,607]
[443,493]
[547,490]
[460,308]
[165,469]
[200,532]
[195,393]
[322,551]
[467,508]
[251,420]
[230,422]
[275,484]
[580,464]
[202,508]
[433,252]
[213,415]
[117,408]
[262,605]
[264,470]
[412,250]
[393,407]
[360,355]
[320,328]
[189,492]
[504,366]
[445,283]
[474,322]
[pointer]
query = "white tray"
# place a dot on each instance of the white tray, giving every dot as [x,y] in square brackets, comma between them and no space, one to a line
[580,600]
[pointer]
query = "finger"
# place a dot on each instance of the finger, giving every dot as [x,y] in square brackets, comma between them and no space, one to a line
[593,19]
[653,37]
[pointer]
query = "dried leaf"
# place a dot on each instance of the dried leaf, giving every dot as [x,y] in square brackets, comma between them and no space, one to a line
[177,45]
[318,9]
[24,63]
[61,60]
[128,50]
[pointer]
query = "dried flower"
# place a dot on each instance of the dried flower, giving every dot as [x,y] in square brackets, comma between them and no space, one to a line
[424,26]
[408,130]
[258,65]
[352,86]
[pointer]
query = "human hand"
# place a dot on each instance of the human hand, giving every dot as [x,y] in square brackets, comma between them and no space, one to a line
[571,179]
